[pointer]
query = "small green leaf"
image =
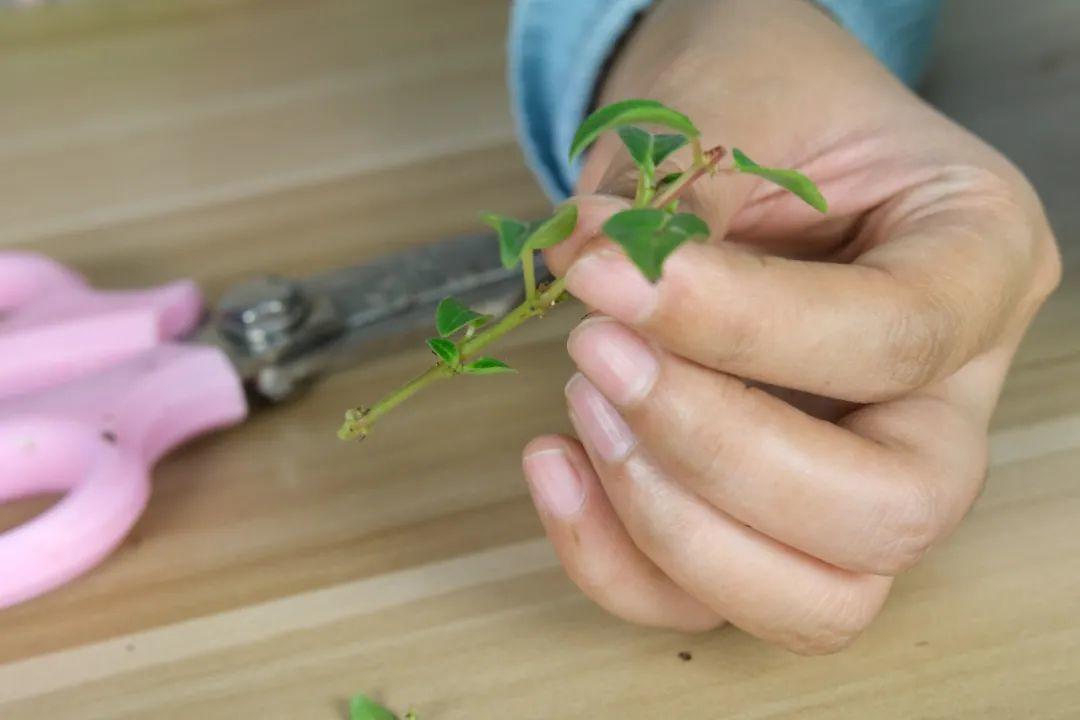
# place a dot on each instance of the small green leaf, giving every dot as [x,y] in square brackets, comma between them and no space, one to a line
[512,235]
[487,366]
[452,316]
[792,180]
[664,145]
[649,235]
[445,350]
[648,150]
[553,230]
[640,145]
[629,112]
[646,220]
[636,231]
[362,707]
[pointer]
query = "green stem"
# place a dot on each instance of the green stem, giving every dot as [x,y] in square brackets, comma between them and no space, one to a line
[359,421]
[528,271]
[526,310]
[698,154]
[644,192]
[709,161]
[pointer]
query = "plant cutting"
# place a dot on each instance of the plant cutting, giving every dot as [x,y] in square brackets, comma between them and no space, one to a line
[361,707]
[648,233]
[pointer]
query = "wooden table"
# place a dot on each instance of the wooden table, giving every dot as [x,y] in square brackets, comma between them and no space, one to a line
[278,571]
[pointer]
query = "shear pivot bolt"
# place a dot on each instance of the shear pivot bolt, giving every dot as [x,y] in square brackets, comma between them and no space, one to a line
[261,314]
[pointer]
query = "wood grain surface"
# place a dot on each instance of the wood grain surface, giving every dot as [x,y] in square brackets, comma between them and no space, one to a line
[278,571]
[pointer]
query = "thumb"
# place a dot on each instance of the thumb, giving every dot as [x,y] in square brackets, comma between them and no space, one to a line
[593,212]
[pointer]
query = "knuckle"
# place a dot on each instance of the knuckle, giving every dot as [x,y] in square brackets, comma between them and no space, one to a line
[1011,214]
[919,343]
[1048,270]
[596,575]
[594,584]
[823,642]
[835,622]
[1013,202]
[1051,271]
[904,528]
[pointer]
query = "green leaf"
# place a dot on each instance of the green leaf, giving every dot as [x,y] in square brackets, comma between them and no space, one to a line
[648,150]
[664,145]
[362,707]
[629,112]
[512,235]
[649,235]
[553,230]
[487,366]
[445,350]
[640,145]
[792,180]
[647,220]
[452,316]
[517,238]
[640,233]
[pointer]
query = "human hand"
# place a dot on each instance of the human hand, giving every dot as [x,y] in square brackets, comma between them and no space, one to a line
[798,410]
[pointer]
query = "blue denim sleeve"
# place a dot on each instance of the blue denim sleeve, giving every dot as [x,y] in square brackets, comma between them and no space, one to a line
[557,49]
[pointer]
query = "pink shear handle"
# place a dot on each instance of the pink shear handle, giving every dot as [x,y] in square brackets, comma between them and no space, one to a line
[54,327]
[97,438]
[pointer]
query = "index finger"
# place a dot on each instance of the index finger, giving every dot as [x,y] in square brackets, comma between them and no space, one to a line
[905,313]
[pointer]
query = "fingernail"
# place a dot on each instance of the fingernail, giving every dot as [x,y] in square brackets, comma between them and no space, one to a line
[554,483]
[621,365]
[609,282]
[597,421]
